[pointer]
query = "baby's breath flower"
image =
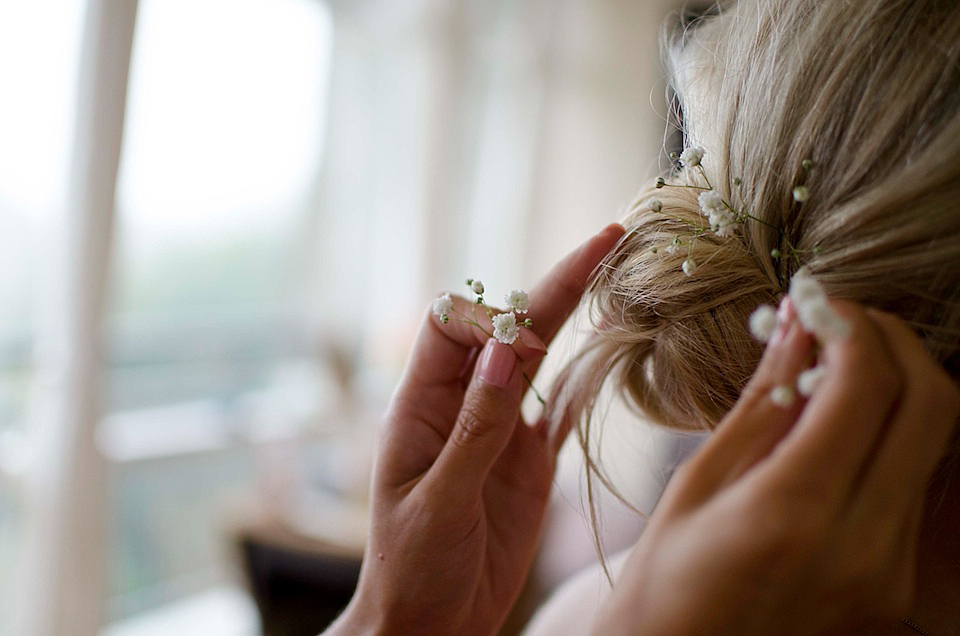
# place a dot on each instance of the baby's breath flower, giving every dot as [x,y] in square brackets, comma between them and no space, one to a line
[808,381]
[673,248]
[801,194]
[710,201]
[689,266]
[476,286]
[813,310]
[518,301]
[783,396]
[692,156]
[442,306]
[763,322]
[722,221]
[661,182]
[505,327]
[655,204]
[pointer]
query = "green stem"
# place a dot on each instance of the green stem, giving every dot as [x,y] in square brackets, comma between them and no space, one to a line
[704,173]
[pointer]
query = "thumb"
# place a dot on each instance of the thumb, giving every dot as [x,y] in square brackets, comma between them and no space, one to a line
[491,409]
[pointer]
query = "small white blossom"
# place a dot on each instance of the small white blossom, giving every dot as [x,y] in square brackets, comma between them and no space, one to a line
[813,310]
[722,222]
[763,322]
[808,381]
[443,305]
[477,287]
[710,201]
[505,327]
[783,396]
[691,157]
[801,194]
[655,204]
[518,301]
[673,248]
[689,266]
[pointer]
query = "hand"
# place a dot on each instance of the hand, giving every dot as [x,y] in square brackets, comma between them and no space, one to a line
[801,520]
[461,482]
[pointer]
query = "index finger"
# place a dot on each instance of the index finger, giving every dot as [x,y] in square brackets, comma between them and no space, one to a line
[434,372]
[556,296]
[926,417]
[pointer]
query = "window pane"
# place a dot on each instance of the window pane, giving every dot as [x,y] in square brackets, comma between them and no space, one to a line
[39,41]
[222,146]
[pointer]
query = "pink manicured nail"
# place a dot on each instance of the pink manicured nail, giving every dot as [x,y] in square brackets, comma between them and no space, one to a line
[497,363]
[533,341]
[785,317]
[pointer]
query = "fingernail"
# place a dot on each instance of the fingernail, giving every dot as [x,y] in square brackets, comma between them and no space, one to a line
[497,363]
[533,341]
[786,312]
[785,317]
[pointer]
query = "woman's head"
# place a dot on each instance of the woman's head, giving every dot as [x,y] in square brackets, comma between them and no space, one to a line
[868,90]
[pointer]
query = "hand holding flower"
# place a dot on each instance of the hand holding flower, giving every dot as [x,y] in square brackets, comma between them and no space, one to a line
[461,482]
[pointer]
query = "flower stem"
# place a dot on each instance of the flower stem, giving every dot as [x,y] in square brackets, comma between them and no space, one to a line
[534,389]
[475,323]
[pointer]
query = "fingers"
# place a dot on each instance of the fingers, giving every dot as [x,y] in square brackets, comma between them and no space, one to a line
[925,418]
[844,420]
[432,391]
[442,351]
[757,424]
[491,410]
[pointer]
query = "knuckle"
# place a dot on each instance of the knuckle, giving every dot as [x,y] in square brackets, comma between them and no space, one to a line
[474,423]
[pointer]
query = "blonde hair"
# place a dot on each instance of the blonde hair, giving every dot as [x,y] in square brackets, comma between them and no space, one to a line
[870,91]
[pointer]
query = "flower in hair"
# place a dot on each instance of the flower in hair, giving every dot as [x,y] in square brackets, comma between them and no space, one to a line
[691,157]
[518,301]
[689,266]
[723,217]
[505,327]
[710,202]
[723,222]
[442,307]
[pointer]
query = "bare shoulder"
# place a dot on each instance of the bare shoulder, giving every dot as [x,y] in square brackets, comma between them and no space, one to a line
[573,606]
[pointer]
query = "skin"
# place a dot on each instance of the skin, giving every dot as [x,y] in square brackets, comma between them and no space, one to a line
[461,482]
[801,520]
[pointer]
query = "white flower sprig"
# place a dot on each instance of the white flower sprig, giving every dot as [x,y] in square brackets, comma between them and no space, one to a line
[817,317]
[721,217]
[506,328]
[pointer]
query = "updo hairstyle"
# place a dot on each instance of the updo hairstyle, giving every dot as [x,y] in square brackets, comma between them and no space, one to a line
[867,90]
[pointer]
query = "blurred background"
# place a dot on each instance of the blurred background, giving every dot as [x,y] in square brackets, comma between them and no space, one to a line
[220,223]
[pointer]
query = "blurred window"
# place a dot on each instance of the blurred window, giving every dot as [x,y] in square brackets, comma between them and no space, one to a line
[222,148]
[38,46]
